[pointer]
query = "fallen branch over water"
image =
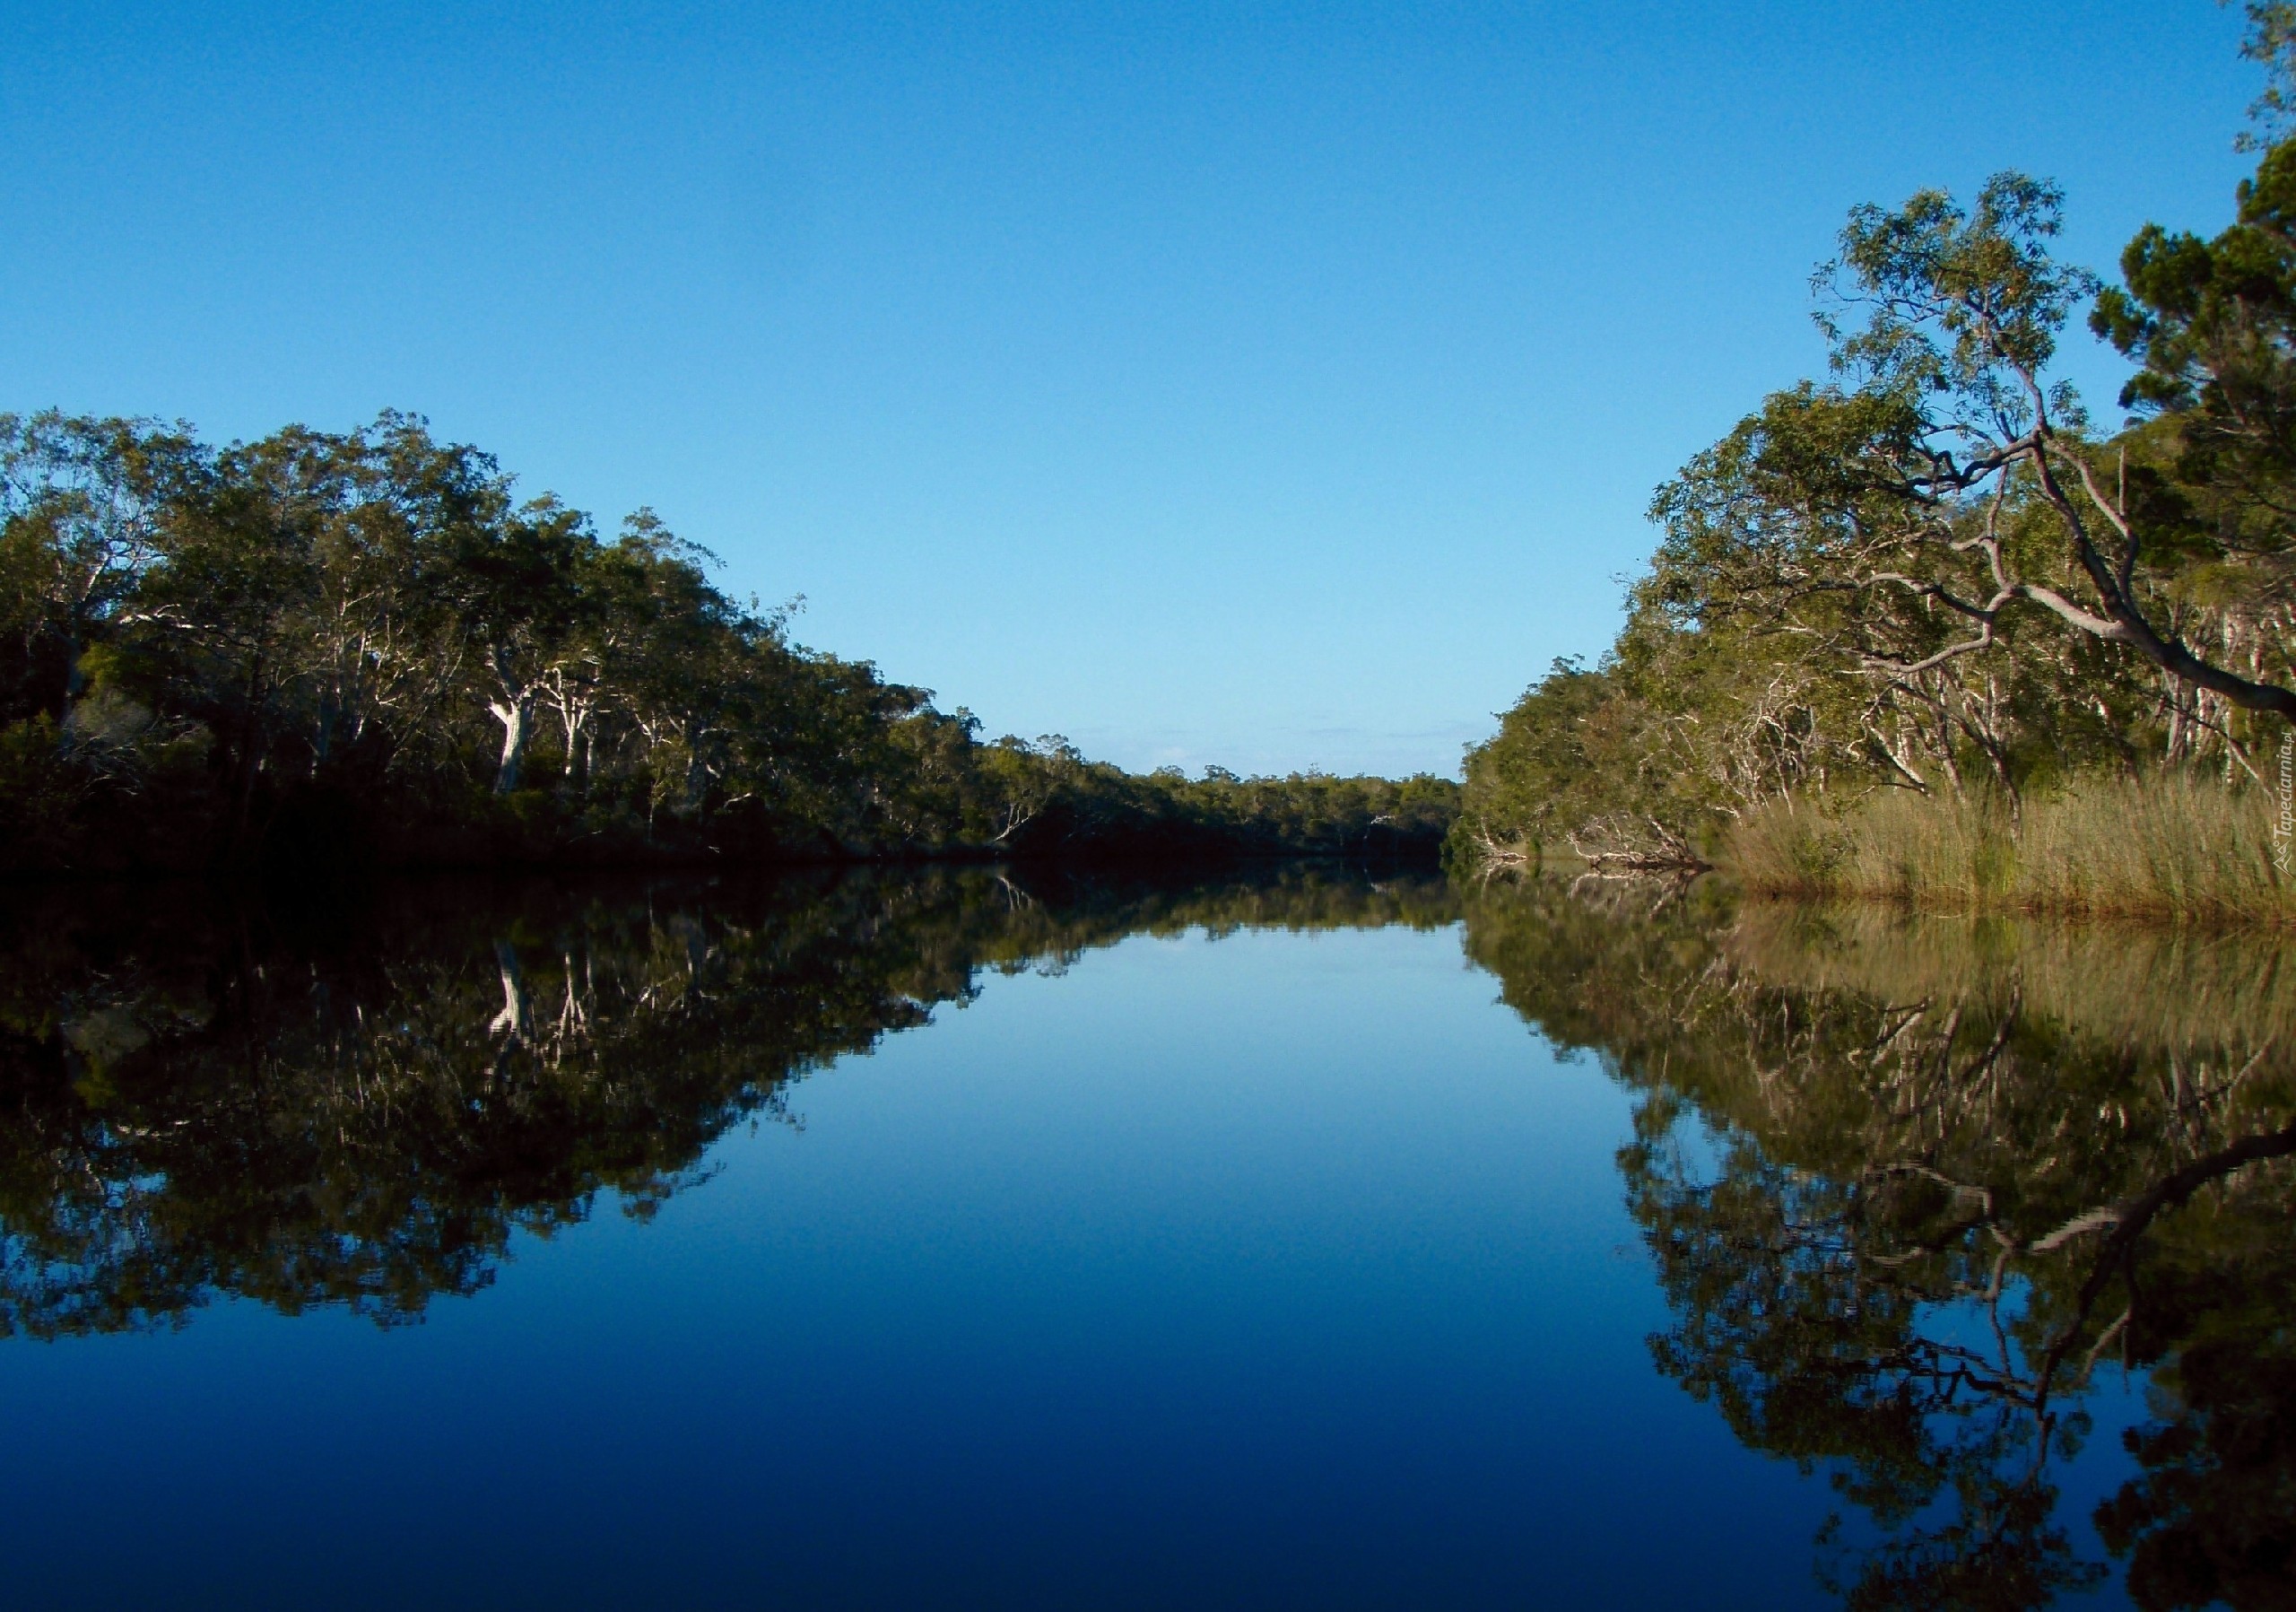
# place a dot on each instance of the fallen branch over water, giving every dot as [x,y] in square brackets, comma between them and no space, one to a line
[1619,847]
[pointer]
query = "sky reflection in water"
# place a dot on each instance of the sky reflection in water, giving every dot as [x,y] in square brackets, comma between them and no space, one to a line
[1278,1267]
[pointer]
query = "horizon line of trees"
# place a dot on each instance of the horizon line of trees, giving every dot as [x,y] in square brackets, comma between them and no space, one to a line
[1930,570]
[322,645]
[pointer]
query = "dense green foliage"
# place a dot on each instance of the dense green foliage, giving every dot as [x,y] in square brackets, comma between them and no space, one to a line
[321,645]
[1928,572]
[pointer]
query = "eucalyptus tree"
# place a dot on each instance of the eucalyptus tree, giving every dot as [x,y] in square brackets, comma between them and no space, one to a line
[316,640]
[221,617]
[512,578]
[1023,779]
[627,592]
[690,667]
[385,658]
[1941,469]
[82,503]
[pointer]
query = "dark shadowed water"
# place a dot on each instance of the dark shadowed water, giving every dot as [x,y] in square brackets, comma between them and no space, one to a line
[1314,1238]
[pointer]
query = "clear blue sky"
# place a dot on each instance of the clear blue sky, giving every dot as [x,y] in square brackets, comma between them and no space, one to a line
[1270,385]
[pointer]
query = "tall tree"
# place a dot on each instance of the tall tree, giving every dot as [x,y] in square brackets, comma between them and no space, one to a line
[81,504]
[514,583]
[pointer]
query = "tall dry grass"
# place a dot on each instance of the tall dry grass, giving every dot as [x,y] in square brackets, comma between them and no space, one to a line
[2171,846]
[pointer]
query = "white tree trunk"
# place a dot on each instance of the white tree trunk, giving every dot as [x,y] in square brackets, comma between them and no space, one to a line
[517,715]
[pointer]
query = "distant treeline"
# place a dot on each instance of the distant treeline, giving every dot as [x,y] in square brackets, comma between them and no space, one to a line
[1930,576]
[365,646]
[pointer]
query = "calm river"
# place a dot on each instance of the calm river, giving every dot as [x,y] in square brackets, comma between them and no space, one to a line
[1317,1239]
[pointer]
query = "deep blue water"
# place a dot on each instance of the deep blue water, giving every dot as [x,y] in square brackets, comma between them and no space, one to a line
[1282,1268]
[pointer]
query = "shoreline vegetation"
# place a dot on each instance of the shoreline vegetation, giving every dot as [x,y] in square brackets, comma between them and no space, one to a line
[2165,848]
[1922,630]
[364,650]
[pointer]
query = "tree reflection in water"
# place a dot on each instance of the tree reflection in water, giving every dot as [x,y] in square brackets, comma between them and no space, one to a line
[1913,1188]
[1911,1185]
[358,1103]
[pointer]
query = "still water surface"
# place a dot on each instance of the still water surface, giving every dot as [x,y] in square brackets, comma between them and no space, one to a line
[965,1240]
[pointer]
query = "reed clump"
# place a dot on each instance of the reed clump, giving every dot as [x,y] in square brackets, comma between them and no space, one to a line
[2171,846]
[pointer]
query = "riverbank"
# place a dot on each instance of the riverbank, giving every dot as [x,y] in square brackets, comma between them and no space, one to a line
[2168,847]
[1067,810]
